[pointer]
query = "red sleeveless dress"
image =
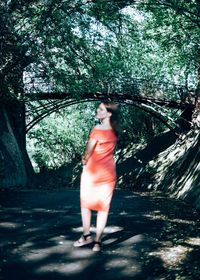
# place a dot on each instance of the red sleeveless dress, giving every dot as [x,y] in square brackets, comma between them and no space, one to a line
[98,178]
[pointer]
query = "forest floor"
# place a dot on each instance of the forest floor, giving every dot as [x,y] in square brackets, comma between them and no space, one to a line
[148,236]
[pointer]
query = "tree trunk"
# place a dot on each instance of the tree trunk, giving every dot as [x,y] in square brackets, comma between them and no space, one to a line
[15,166]
[197,101]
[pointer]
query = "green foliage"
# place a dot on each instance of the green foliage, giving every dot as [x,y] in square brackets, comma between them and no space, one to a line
[60,139]
[138,128]
[175,28]
[69,44]
[80,46]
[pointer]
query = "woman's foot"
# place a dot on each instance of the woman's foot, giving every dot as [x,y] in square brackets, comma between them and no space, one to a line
[97,246]
[83,240]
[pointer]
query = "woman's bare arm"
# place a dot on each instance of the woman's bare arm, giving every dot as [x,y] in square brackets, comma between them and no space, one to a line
[89,149]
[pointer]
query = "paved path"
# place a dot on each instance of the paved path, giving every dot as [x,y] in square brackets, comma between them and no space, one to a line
[147,237]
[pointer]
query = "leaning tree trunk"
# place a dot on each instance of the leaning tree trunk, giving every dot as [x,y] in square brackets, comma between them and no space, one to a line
[197,95]
[196,112]
[15,166]
[198,83]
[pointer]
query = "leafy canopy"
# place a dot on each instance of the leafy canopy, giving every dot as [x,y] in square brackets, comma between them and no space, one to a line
[86,45]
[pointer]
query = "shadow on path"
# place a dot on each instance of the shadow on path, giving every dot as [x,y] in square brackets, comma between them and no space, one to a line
[147,237]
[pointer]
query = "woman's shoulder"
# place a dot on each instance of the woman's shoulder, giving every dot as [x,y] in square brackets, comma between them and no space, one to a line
[103,133]
[101,127]
[98,126]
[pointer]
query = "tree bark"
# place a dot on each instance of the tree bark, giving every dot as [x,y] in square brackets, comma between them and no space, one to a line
[15,166]
[198,85]
[195,116]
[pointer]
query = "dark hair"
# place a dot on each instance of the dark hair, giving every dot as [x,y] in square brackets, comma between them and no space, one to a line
[114,119]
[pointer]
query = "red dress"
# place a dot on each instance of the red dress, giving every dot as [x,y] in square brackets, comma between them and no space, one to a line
[98,178]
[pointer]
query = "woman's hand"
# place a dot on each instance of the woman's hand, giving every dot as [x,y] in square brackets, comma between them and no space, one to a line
[89,149]
[84,161]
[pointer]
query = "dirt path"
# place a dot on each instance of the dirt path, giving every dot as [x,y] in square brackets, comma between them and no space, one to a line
[147,237]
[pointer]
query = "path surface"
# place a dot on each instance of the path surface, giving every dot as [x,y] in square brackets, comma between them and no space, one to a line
[147,237]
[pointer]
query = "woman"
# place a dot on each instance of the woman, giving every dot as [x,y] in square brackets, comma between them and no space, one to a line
[98,178]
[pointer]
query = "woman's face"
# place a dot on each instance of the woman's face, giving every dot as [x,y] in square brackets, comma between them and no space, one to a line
[102,112]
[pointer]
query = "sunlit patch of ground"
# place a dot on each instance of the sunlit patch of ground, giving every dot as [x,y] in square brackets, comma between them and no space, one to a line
[66,269]
[171,256]
[155,216]
[193,241]
[108,229]
[9,225]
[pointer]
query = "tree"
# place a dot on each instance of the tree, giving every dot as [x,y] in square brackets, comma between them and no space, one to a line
[48,46]
[79,46]
[175,25]
[58,45]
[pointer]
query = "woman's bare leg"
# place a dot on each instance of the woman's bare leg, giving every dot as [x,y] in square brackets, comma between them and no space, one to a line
[86,221]
[102,218]
[86,215]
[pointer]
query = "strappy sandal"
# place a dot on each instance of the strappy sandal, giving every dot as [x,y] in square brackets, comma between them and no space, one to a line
[97,246]
[84,240]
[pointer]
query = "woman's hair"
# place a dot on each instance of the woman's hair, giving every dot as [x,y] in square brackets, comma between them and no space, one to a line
[114,119]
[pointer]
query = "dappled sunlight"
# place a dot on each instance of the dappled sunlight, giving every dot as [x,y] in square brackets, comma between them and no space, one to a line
[33,229]
[72,261]
[123,213]
[110,241]
[64,268]
[146,234]
[26,245]
[108,229]
[81,253]
[198,167]
[128,266]
[42,210]
[129,152]
[58,239]
[10,225]
[169,171]
[128,259]
[180,221]
[193,241]
[62,247]
[133,240]
[171,256]
[36,255]
[187,181]
[42,253]
[187,186]
[155,216]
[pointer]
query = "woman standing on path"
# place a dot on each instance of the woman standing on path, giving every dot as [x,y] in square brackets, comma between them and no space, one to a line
[98,178]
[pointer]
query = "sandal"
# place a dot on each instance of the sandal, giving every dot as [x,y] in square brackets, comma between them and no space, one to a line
[83,240]
[97,246]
